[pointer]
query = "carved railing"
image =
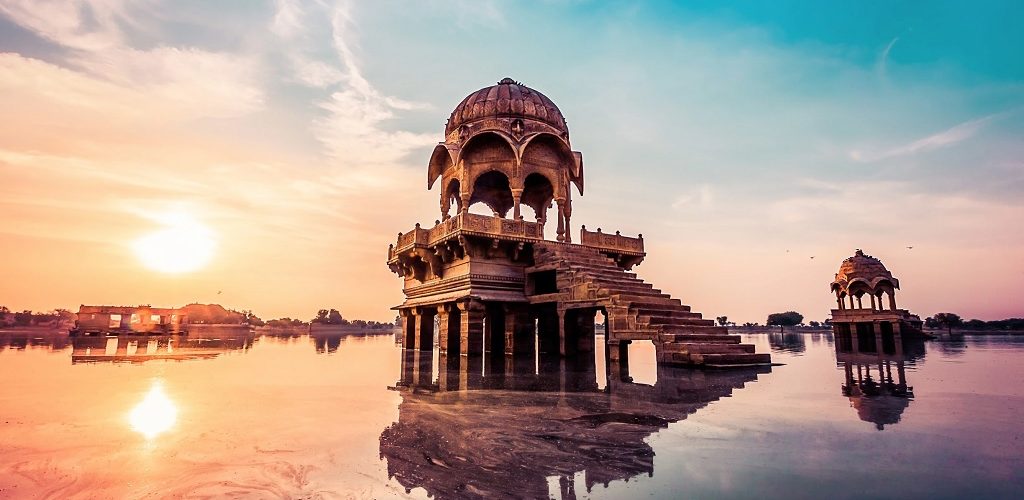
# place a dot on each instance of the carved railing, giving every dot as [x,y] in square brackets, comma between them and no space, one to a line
[611,241]
[471,223]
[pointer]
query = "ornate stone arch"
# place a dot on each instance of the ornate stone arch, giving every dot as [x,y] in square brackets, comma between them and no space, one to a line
[493,189]
[441,160]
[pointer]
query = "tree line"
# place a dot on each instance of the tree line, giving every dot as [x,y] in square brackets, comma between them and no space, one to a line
[213,314]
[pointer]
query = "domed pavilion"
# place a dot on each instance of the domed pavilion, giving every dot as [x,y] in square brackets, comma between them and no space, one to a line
[491,282]
[866,298]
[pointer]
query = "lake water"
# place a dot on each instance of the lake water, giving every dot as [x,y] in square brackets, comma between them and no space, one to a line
[352,416]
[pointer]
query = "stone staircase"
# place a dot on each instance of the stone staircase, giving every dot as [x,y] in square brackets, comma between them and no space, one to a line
[638,311]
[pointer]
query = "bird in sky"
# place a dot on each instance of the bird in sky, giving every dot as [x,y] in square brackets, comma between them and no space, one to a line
[812,256]
[220,292]
[910,248]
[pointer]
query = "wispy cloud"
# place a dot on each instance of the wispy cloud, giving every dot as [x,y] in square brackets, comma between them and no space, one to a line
[946,138]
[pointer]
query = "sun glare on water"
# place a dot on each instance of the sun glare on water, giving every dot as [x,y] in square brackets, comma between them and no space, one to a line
[155,414]
[182,245]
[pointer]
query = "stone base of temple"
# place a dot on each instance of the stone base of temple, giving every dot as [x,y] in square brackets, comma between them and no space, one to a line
[565,287]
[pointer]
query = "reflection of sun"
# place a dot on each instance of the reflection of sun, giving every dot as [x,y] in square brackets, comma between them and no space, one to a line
[155,414]
[181,246]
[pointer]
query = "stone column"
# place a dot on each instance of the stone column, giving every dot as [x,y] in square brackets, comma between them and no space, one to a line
[561,219]
[568,216]
[878,337]
[892,300]
[403,314]
[517,195]
[412,333]
[519,330]
[425,330]
[442,328]
[471,328]
[585,330]
[561,332]
[839,300]
[874,307]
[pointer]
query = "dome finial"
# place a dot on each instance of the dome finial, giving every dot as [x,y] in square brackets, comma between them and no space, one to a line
[508,81]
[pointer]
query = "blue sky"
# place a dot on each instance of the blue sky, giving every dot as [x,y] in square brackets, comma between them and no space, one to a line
[741,141]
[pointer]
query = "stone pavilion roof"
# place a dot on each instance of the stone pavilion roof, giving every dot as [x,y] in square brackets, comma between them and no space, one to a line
[508,98]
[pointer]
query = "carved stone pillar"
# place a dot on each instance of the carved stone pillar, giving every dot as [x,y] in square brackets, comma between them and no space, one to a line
[519,330]
[517,194]
[560,232]
[411,334]
[874,307]
[568,215]
[471,328]
[561,332]
[585,330]
[442,328]
[425,330]
[892,300]
[878,337]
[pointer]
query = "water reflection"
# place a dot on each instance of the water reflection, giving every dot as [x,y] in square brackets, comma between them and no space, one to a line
[328,343]
[869,363]
[475,426]
[790,342]
[142,348]
[155,414]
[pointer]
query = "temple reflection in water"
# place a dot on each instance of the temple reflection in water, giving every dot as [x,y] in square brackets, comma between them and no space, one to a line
[875,378]
[567,428]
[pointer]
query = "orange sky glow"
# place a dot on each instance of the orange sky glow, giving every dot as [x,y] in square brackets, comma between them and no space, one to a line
[284,165]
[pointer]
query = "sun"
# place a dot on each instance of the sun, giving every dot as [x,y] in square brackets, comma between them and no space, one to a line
[155,414]
[182,245]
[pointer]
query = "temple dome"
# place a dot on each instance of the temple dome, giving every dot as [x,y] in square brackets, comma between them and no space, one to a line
[862,267]
[507,99]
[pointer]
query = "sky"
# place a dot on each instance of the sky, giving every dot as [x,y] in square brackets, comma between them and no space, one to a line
[755,147]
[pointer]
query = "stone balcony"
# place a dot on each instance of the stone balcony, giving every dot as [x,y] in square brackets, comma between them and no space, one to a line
[868,315]
[506,230]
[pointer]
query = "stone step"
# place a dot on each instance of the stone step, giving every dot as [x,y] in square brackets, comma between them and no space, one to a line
[628,298]
[699,337]
[658,308]
[733,359]
[657,315]
[673,322]
[704,348]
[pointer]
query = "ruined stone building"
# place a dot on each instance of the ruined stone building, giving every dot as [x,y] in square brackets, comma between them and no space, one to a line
[493,283]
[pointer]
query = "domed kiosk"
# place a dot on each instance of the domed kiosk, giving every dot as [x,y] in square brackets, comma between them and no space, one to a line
[494,284]
[872,335]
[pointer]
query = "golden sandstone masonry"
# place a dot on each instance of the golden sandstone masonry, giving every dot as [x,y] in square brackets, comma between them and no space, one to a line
[494,284]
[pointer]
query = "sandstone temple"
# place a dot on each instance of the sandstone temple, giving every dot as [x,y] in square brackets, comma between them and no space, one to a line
[866,296]
[478,284]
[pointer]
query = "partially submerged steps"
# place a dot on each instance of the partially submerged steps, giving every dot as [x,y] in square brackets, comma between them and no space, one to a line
[638,311]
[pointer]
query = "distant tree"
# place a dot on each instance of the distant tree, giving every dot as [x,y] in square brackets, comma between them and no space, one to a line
[321,316]
[23,318]
[334,318]
[814,324]
[722,320]
[784,319]
[252,319]
[948,321]
[398,320]
[4,311]
[975,324]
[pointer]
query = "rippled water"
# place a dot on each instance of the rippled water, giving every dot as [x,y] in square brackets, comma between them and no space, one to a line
[345,416]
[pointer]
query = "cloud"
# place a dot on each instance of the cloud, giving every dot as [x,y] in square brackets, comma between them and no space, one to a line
[946,138]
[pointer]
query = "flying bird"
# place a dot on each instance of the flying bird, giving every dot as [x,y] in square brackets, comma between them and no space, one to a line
[812,256]
[910,248]
[220,292]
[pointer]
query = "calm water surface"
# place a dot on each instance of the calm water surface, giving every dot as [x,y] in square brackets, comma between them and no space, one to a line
[347,416]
